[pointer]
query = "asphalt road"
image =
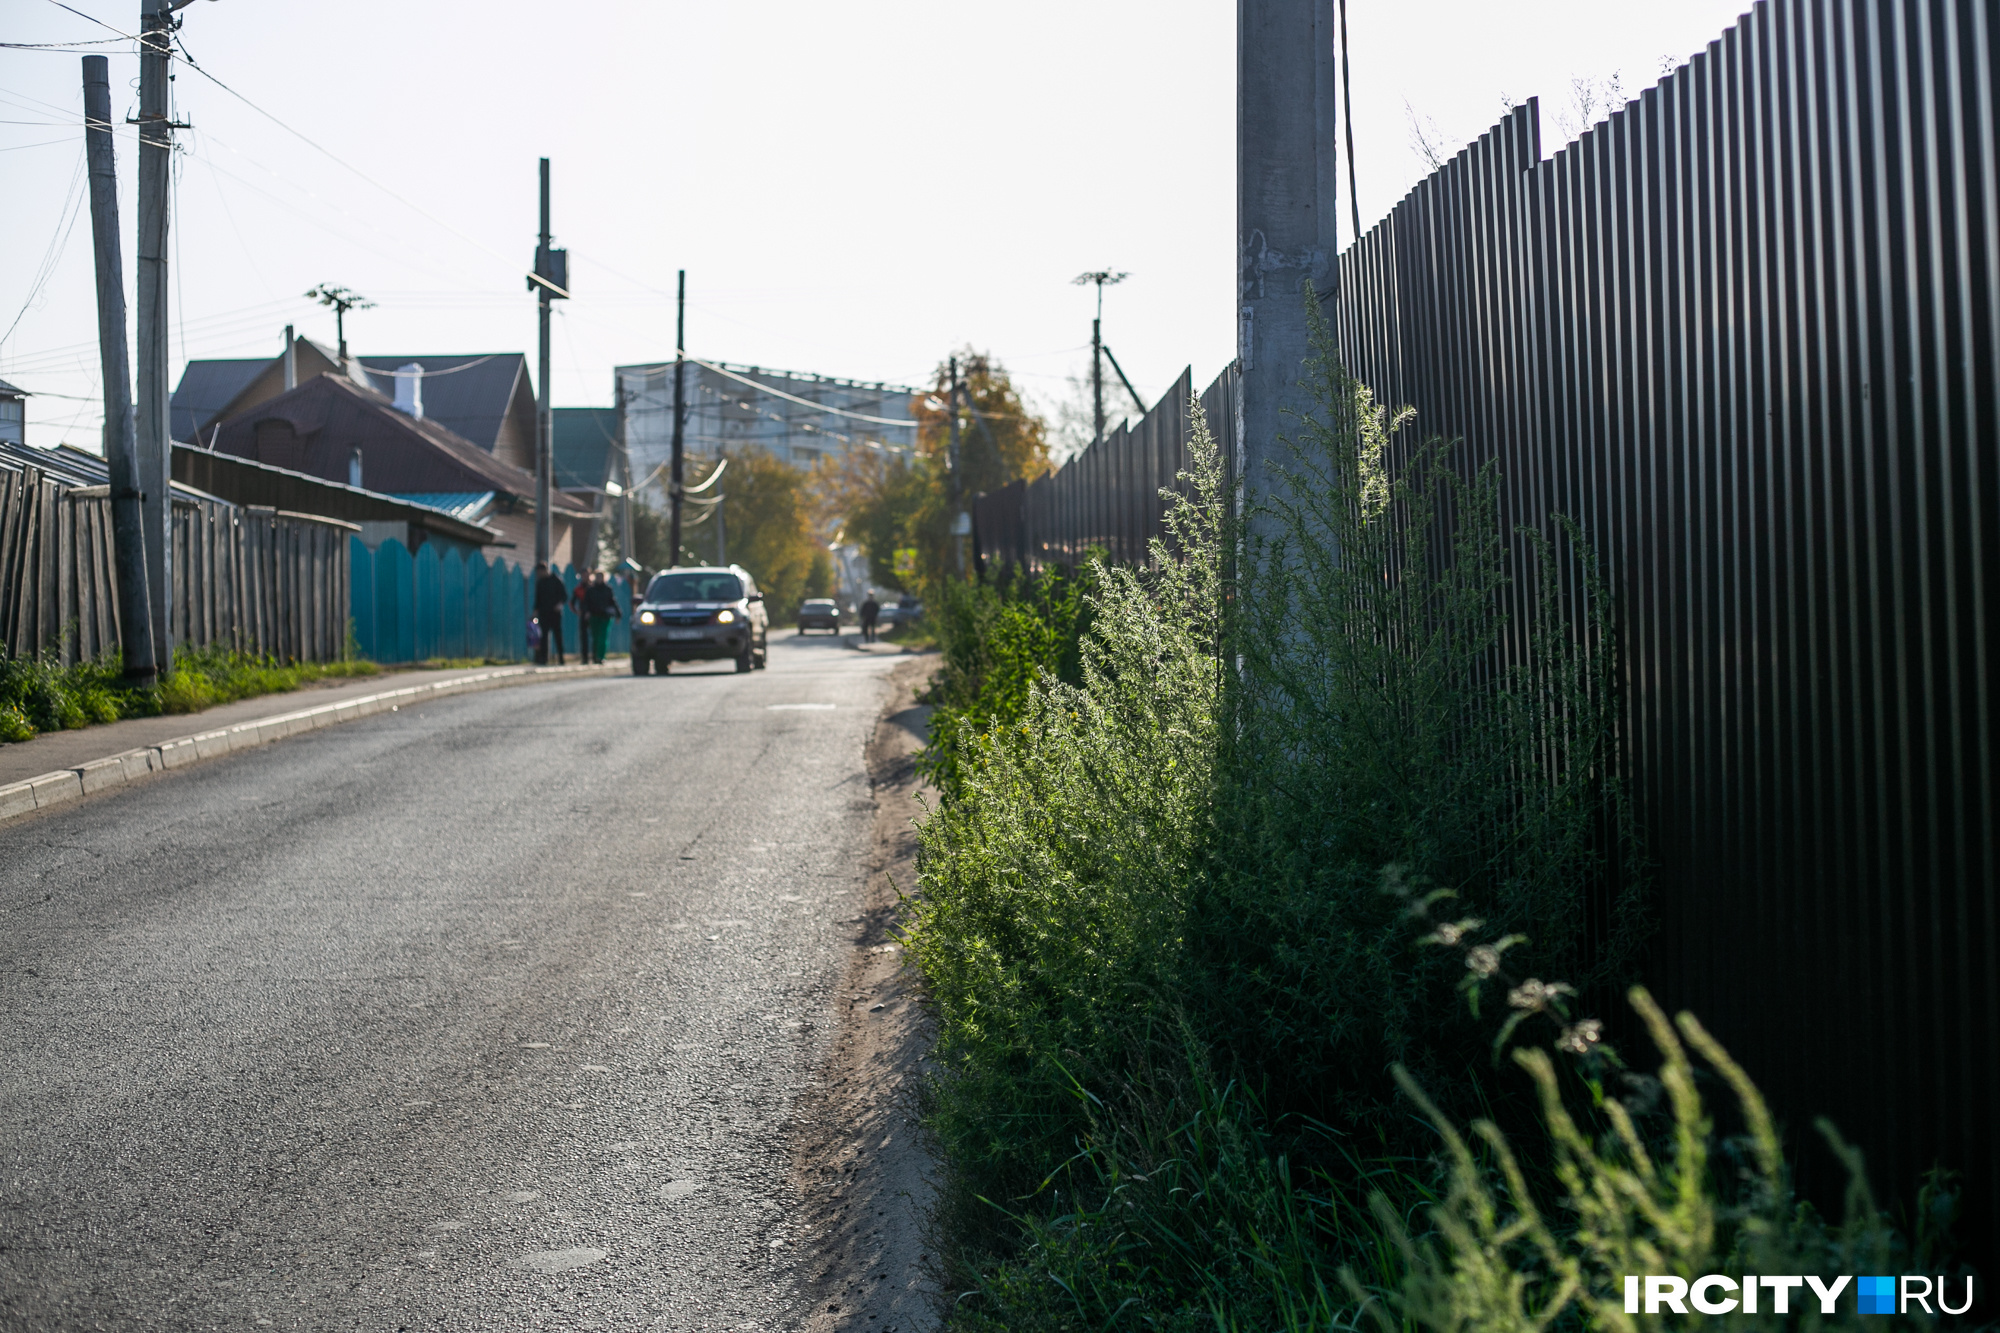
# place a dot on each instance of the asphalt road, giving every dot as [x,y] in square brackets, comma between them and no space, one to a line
[487,1014]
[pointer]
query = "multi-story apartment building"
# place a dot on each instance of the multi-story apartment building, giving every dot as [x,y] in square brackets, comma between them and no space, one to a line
[798,417]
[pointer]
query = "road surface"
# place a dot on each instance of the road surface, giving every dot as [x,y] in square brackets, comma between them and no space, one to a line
[489,1013]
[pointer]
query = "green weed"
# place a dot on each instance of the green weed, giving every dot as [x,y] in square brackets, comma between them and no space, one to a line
[40,694]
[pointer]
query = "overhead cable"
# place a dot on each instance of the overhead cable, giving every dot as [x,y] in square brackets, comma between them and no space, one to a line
[802,402]
[188,59]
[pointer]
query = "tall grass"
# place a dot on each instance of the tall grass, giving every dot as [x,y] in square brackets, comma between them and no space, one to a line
[1385,714]
[1215,928]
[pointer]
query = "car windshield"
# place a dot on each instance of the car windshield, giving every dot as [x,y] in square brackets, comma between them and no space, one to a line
[819,603]
[697,587]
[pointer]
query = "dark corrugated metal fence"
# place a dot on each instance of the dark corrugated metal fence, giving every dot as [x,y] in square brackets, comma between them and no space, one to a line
[1107,498]
[1744,331]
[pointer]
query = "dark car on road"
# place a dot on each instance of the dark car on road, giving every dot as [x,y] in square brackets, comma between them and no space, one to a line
[819,613]
[906,611]
[703,614]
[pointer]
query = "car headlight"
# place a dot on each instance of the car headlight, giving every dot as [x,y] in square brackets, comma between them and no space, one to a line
[725,617]
[647,617]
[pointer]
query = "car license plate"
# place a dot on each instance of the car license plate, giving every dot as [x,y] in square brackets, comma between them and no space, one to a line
[684,634]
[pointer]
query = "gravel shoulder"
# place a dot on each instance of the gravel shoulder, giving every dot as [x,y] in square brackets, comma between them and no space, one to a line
[861,1164]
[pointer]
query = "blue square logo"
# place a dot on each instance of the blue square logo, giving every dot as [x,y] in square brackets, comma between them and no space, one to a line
[1877,1294]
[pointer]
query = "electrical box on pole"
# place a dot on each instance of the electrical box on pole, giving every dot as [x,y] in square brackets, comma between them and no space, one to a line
[549,282]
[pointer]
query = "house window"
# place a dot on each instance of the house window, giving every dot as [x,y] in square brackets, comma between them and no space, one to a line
[279,445]
[13,421]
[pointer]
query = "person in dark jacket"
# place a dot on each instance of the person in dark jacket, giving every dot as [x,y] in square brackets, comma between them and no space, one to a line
[549,598]
[600,604]
[871,610]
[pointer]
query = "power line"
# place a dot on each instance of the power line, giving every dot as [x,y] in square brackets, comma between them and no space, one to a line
[58,243]
[188,59]
[77,45]
[128,36]
[802,402]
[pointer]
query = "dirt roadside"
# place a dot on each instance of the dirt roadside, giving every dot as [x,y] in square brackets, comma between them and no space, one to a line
[859,1161]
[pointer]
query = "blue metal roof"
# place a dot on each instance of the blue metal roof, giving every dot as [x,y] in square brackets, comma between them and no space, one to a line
[468,506]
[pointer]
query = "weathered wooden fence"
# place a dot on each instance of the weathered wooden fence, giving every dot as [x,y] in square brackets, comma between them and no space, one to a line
[410,608]
[246,579]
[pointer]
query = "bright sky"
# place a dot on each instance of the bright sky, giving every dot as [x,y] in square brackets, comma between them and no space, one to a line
[854,189]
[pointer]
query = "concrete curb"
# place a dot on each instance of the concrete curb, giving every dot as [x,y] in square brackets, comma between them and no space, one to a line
[70,784]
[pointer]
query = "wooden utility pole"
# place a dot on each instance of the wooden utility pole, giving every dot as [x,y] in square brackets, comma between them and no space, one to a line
[150,425]
[128,525]
[676,481]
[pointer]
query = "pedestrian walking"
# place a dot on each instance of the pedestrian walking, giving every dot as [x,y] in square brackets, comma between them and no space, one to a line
[550,594]
[871,610]
[600,606]
[576,596]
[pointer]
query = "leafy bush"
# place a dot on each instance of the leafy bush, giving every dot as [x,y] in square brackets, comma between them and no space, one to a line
[1051,882]
[997,639]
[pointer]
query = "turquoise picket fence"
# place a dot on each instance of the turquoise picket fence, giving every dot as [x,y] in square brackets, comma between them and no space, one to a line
[409,608]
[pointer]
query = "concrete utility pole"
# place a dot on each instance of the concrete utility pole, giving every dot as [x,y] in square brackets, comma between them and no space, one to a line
[1102,278]
[541,283]
[957,485]
[156,155]
[1287,209]
[121,445]
[625,478]
[679,464]
[951,452]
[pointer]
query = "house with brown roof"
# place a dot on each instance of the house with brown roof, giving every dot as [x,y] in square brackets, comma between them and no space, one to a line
[336,429]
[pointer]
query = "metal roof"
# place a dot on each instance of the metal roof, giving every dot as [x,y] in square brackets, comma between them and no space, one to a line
[71,466]
[206,388]
[5,387]
[468,506]
[331,416]
[469,395]
[245,481]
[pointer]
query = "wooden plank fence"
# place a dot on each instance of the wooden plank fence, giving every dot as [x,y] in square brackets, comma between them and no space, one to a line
[247,579]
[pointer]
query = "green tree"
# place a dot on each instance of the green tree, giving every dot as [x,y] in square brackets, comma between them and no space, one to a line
[770,530]
[999,440]
[868,497]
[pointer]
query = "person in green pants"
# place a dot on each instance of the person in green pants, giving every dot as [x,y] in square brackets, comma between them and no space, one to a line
[600,604]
